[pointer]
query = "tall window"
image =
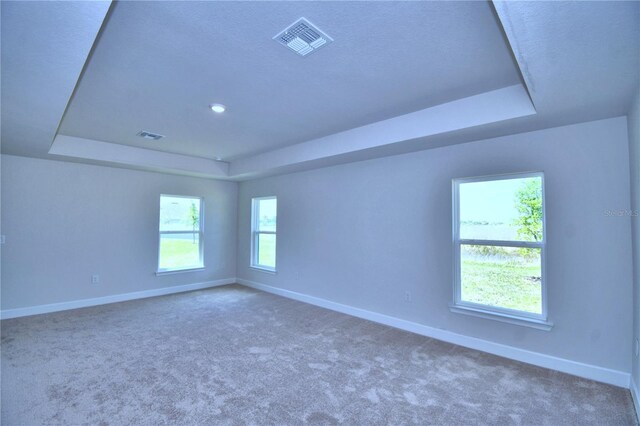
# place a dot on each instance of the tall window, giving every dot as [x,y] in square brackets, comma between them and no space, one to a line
[499,244]
[181,233]
[264,214]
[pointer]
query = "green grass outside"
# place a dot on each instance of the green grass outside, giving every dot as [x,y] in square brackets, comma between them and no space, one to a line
[267,250]
[179,253]
[182,253]
[508,285]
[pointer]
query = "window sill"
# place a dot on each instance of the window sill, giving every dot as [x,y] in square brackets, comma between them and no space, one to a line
[177,271]
[261,269]
[498,316]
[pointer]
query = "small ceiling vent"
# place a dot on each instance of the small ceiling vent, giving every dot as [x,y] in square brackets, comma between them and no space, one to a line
[303,37]
[149,135]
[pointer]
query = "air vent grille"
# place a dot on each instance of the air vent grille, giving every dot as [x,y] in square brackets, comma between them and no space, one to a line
[303,37]
[149,135]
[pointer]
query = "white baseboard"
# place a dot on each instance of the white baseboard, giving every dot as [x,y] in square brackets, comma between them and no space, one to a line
[634,396]
[83,303]
[600,374]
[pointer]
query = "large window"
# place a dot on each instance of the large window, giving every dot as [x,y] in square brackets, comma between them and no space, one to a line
[264,215]
[181,233]
[499,247]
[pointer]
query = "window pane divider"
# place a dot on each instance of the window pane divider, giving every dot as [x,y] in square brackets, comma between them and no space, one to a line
[181,232]
[502,243]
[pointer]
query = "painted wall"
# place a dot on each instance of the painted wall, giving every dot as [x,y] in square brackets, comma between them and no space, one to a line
[364,234]
[65,222]
[634,161]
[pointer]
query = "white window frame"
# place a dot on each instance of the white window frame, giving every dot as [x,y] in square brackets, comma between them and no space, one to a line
[513,316]
[255,234]
[200,232]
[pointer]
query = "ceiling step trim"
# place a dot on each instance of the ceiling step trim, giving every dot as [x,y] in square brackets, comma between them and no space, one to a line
[486,108]
[111,154]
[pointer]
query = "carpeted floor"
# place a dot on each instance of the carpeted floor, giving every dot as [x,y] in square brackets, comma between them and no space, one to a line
[232,355]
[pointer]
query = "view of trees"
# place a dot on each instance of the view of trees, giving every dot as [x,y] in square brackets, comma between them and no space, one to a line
[529,205]
[194,216]
[526,226]
[503,275]
[529,222]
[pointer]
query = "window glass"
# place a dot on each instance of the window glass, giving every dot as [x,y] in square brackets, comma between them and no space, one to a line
[507,210]
[267,250]
[264,218]
[179,251]
[506,277]
[179,213]
[267,215]
[499,245]
[180,233]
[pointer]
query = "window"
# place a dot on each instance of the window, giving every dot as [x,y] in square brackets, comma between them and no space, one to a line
[499,248]
[263,233]
[181,233]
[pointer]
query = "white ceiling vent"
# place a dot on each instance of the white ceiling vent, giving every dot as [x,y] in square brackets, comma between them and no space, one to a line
[149,135]
[303,37]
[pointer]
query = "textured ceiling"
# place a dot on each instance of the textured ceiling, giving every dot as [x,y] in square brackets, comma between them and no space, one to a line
[580,60]
[158,65]
[44,46]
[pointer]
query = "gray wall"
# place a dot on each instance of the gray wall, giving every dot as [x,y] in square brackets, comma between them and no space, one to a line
[634,159]
[65,221]
[363,234]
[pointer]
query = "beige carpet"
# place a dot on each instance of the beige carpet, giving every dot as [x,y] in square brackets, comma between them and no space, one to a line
[232,355]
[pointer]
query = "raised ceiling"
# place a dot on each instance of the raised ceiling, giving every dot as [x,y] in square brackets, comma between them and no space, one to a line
[44,47]
[399,77]
[158,65]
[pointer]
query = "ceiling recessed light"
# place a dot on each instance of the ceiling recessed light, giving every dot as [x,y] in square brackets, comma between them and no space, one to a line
[219,108]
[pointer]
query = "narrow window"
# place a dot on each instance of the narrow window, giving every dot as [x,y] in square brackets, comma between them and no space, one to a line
[263,232]
[499,246]
[181,233]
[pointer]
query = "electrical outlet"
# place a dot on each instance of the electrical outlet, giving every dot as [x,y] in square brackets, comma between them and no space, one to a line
[95,279]
[407,296]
